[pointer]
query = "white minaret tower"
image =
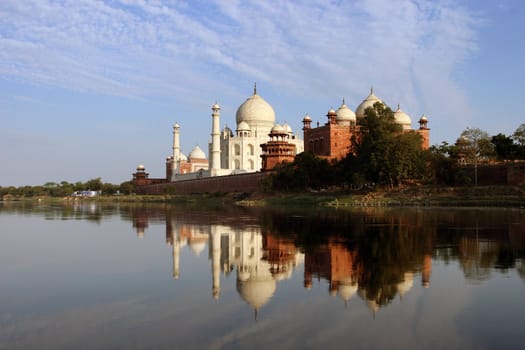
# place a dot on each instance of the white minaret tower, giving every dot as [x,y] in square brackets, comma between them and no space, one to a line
[176,147]
[215,139]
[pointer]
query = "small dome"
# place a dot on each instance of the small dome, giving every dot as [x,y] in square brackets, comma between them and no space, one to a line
[345,114]
[402,118]
[347,290]
[367,102]
[197,153]
[277,128]
[140,167]
[407,283]
[423,119]
[331,112]
[243,126]
[216,106]
[307,118]
[287,128]
[176,126]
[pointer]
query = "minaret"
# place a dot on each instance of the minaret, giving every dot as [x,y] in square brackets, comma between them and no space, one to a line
[176,147]
[216,261]
[215,139]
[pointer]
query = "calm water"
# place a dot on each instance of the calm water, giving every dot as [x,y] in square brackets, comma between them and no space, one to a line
[106,277]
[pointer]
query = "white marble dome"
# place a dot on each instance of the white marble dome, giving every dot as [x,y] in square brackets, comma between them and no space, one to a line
[277,129]
[287,128]
[402,118]
[367,102]
[255,111]
[197,153]
[345,115]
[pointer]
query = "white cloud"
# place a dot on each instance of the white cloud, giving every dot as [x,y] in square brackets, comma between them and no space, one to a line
[408,49]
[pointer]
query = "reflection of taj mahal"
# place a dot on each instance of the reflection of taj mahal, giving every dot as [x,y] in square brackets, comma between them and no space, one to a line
[259,263]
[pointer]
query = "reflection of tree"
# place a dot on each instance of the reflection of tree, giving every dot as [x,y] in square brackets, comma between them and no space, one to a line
[386,254]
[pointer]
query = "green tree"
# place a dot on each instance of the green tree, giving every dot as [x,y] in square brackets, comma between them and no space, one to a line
[519,135]
[126,187]
[93,184]
[504,147]
[475,147]
[386,154]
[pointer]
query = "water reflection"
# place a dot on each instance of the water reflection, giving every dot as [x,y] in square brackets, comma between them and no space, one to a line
[377,255]
[259,260]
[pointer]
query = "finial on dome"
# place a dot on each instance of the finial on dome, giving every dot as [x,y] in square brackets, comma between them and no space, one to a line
[343,100]
[371,90]
[255,88]
[398,108]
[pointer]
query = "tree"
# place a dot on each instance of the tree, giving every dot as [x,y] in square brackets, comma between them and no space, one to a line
[519,135]
[386,154]
[504,147]
[93,184]
[475,146]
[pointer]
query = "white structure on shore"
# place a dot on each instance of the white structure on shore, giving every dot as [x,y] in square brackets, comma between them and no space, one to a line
[232,153]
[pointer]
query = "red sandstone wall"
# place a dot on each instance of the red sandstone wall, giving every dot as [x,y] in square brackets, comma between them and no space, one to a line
[516,174]
[230,183]
[498,174]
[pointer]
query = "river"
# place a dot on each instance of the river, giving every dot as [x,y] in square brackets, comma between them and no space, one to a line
[100,276]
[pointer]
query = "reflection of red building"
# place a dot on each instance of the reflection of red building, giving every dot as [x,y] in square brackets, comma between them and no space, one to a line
[280,253]
[333,262]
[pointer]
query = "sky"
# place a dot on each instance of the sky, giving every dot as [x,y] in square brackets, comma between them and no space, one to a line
[92,88]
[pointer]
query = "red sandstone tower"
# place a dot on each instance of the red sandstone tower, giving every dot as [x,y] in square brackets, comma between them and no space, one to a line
[278,149]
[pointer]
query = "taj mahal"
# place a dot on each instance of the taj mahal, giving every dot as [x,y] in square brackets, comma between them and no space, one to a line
[231,152]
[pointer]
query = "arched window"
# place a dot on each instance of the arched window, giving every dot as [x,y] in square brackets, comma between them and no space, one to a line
[237,150]
[250,163]
[250,149]
[237,164]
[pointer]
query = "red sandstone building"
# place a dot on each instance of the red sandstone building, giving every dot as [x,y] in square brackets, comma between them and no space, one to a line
[278,150]
[333,140]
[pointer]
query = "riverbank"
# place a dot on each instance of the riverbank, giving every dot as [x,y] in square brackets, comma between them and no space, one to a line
[481,196]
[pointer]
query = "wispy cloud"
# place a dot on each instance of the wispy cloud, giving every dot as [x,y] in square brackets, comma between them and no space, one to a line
[409,49]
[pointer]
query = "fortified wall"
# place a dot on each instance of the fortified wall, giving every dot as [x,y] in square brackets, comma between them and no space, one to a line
[250,182]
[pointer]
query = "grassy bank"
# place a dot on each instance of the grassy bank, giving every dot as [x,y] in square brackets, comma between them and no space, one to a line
[481,196]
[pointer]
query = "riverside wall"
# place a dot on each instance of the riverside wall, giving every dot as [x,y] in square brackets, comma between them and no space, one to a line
[512,174]
[250,182]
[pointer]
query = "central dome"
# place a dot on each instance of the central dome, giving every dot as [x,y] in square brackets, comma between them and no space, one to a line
[256,112]
[367,102]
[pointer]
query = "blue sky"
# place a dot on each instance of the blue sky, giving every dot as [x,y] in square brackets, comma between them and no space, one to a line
[92,88]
